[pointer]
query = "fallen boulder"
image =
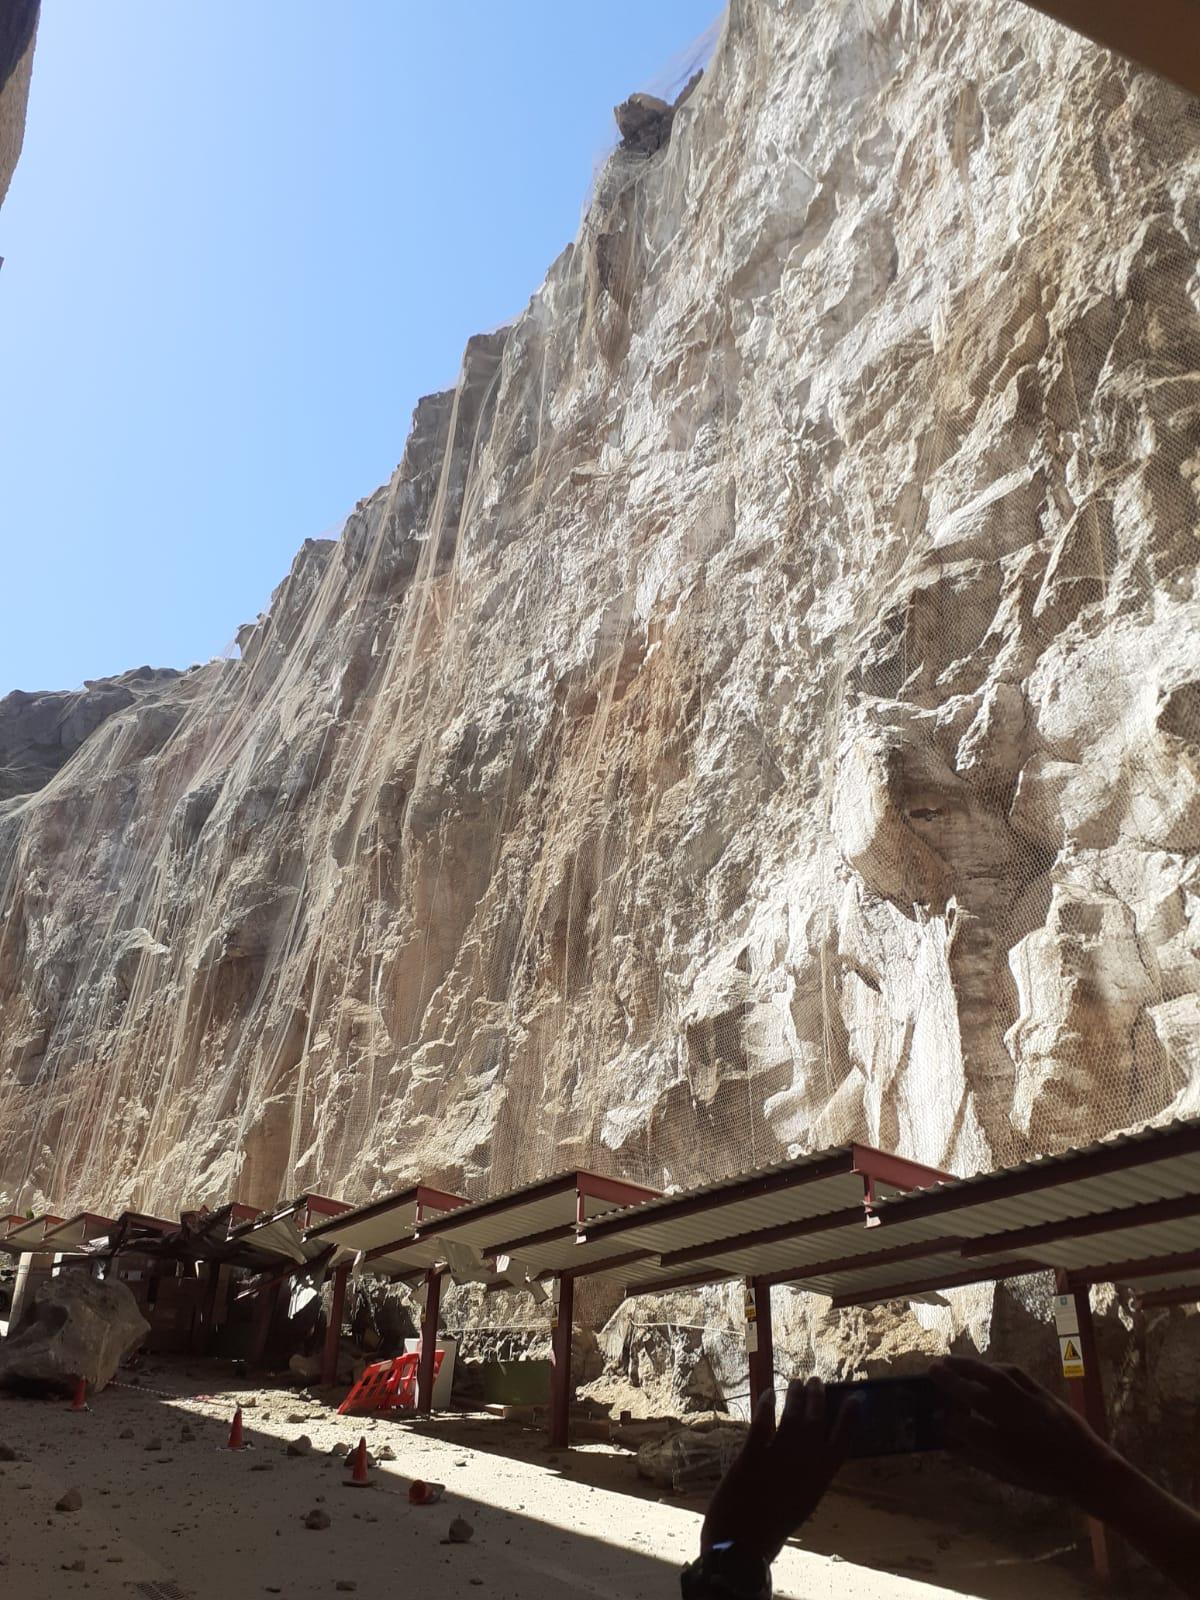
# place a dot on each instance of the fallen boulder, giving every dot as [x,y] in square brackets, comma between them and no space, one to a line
[689,1458]
[80,1327]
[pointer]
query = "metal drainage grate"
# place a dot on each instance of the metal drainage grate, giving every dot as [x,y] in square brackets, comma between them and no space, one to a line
[160,1589]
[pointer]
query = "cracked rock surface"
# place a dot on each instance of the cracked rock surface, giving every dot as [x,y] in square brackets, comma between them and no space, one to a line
[761,710]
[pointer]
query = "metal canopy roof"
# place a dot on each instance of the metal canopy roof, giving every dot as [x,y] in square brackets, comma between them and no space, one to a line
[279,1233]
[537,1224]
[757,1223]
[27,1237]
[368,1227]
[79,1229]
[1124,1210]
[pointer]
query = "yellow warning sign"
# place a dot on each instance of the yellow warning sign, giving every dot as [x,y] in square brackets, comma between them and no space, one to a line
[1072,1358]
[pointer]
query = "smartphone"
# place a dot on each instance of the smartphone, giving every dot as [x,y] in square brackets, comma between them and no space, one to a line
[893,1416]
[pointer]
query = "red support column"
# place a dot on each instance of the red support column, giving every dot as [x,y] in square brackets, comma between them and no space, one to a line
[333,1331]
[762,1370]
[429,1334]
[560,1365]
[1086,1395]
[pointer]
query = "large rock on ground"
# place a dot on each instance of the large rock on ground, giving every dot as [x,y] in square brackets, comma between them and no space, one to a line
[690,1457]
[81,1327]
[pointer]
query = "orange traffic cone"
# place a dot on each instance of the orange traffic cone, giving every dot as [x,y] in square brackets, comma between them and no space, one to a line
[236,1442]
[358,1478]
[421,1493]
[79,1402]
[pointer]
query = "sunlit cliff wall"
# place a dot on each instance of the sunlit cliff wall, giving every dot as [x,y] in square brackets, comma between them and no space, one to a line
[762,709]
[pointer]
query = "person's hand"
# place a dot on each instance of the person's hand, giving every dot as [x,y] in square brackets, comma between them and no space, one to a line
[1005,1423]
[781,1474]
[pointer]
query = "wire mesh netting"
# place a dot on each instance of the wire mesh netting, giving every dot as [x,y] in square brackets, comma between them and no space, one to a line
[761,711]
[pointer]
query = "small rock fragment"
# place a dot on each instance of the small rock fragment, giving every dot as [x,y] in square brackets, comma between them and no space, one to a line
[71,1501]
[460,1531]
[387,1453]
[345,1585]
[125,1433]
[317,1518]
[300,1447]
[154,1444]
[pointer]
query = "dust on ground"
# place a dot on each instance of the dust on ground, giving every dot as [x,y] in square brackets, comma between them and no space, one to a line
[165,1515]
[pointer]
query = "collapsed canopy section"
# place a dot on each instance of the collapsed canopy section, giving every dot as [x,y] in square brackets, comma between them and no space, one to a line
[368,1230]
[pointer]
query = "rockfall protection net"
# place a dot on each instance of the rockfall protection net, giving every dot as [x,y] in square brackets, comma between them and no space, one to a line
[762,710]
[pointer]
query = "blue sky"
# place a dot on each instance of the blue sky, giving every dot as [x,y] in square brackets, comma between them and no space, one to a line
[244,237]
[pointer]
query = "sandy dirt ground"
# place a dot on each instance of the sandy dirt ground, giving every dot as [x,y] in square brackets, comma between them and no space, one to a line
[165,1516]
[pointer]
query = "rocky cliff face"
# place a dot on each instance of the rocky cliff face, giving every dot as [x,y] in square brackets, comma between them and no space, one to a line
[761,710]
[39,733]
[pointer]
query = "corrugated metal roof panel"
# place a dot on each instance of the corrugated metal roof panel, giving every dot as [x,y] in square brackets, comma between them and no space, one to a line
[279,1236]
[524,1216]
[800,1204]
[28,1238]
[1125,1244]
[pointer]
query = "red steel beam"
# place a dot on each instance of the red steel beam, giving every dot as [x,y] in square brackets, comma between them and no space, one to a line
[617,1191]
[1140,1216]
[435,1200]
[897,1171]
